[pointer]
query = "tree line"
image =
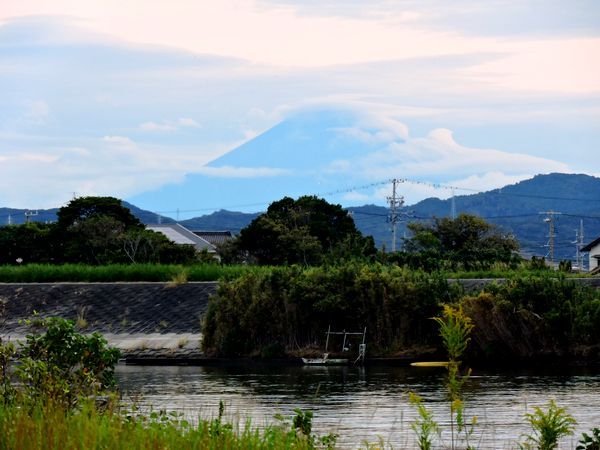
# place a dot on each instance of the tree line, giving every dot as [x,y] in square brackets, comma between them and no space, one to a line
[90,230]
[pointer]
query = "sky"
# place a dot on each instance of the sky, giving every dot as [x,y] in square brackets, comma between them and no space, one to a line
[125,97]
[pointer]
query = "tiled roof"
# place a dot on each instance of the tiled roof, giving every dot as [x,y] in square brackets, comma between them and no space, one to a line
[214,237]
[181,235]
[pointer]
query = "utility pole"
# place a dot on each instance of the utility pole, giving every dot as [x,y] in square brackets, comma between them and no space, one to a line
[9,219]
[453,211]
[578,245]
[395,202]
[28,214]
[549,219]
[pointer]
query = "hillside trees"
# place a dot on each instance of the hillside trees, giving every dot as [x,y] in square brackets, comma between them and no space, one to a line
[306,231]
[467,242]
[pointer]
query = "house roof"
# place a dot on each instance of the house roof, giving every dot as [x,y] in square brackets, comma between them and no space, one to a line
[181,235]
[591,245]
[214,237]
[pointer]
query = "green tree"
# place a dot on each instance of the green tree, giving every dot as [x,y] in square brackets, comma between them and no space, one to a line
[28,243]
[304,231]
[83,208]
[467,241]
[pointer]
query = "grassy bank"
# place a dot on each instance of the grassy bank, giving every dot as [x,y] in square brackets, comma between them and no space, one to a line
[42,273]
[53,427]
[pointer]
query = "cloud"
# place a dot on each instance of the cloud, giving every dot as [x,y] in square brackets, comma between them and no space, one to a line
[66,86]
[153,126]
[120,141]
[168,126]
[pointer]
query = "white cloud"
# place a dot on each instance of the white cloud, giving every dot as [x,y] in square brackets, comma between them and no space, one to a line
[168,126]
[153,126]
[187,122]
[122,141]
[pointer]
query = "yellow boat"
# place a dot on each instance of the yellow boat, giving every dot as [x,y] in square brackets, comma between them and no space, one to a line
[430,364]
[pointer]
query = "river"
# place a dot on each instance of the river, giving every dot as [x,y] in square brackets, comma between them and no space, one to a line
[367,404]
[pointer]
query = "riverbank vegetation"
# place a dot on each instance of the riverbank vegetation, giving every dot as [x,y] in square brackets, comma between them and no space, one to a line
[57,391]
[287,310]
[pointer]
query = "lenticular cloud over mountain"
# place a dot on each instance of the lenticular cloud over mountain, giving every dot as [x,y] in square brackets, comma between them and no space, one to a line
[337,154]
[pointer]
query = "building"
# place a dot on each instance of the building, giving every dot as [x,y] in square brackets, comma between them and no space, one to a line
[594,254]
[215,237]
[181,235]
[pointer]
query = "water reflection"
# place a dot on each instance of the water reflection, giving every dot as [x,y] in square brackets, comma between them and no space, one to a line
[365,404]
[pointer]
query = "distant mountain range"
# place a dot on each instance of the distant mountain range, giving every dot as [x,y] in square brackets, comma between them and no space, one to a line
[520,209]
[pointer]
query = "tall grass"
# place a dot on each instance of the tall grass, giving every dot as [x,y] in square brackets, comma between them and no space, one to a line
[53,427]
[42,273]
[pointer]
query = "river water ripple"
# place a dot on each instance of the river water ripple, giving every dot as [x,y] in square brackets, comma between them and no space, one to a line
[366,404]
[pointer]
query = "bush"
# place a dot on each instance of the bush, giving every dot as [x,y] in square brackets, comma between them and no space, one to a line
[61,365]
[294,306]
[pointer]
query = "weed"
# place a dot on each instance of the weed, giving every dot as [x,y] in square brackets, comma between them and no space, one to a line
[425,426]
[182,342]
[455,328]
[588,442]
[81,321]
[548,427]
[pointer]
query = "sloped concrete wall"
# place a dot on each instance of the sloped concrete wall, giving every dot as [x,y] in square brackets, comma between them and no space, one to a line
[153,320]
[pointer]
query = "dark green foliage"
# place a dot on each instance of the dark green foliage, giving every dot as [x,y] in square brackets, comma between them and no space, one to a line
[61,365]
[467,242]
[84,208]
[306,231]
[90,230]
[535,316]
[294,306]
[588,442]
[24,244]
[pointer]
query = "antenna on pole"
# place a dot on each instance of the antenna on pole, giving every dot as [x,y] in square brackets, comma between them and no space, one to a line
[395,202]
[549,219]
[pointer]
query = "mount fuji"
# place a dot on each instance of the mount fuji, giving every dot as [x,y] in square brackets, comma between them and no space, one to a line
[345,156]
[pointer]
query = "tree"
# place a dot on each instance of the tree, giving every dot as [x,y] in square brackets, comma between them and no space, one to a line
[304,231]
[467,241]
[83,208]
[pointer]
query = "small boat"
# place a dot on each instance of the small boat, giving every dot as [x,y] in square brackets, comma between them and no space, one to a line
[430,364]
[325,361]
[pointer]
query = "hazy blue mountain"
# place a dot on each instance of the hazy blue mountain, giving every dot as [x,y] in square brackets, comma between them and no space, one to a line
[289,159]
[18,216]
[222,220]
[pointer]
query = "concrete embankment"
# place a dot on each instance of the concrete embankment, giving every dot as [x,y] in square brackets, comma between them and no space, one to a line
[144,320]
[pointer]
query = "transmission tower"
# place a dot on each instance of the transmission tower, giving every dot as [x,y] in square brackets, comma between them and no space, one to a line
[453,211]
[549,219]
[395,202]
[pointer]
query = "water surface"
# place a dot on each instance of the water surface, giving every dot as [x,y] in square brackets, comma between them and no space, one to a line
[366,404]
